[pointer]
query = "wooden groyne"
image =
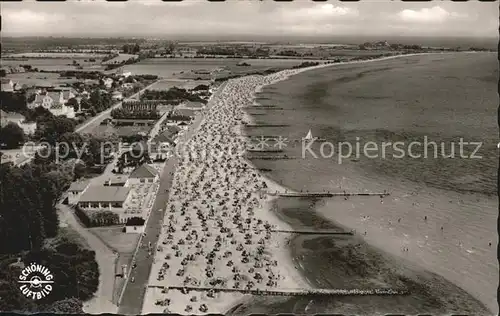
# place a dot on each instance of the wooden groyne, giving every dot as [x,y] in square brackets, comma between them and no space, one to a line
[328,194]
[258,169]
[257,114]
[264,169]
[265,107]
[279,157]
[267,125]
[286,139]
[272,137]
[258,137]
[289,292]
[313,232]
[265,150]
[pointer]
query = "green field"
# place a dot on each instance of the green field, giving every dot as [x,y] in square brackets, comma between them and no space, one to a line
[55,64]
[40,79]
[172,67]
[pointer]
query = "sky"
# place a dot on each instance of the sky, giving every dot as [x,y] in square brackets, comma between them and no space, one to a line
[250,17]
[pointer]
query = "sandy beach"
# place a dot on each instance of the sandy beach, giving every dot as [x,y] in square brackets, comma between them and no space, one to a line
[218,227]
[217,232]
[441,236]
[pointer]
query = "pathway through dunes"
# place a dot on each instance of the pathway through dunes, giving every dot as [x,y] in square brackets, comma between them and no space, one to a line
[105,257]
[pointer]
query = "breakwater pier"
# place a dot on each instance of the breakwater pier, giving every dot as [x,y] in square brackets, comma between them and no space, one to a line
[327,194]
[313,232]
[267,125]
[262,107]
[276,157]
[288,292]
[265,150]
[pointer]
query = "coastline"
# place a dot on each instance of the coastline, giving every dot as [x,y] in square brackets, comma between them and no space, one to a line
[323,214]
[210,133]
[290,274]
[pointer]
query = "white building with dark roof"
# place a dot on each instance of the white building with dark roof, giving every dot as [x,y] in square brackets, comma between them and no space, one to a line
[7,85]
[143,174]
[55,102]
[113,198]
[180,114]
[76,190]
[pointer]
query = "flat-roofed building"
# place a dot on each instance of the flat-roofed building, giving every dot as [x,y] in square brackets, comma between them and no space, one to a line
[111,198]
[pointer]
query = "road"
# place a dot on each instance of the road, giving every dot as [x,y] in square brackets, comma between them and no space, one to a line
[134,292]
[105,257]
[85,128]
[88,126]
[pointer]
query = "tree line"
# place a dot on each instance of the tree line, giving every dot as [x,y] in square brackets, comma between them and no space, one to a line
[139,114]
[173,93]
[29,221]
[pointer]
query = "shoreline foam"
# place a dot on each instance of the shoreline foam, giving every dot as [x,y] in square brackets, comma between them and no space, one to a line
[377,244]
[215,305]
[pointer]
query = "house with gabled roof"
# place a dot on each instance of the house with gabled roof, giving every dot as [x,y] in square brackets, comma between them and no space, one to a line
[53,101]
[165,138]
[75,191]
[144,174]
[7,85]
[168,135]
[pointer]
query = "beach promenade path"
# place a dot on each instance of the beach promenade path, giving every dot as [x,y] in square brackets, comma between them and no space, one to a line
[133,294]
[105,257]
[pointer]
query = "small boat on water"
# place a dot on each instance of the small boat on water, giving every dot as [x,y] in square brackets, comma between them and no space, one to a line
[309,136]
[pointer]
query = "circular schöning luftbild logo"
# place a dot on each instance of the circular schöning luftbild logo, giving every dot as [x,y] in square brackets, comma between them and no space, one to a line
[36,281]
